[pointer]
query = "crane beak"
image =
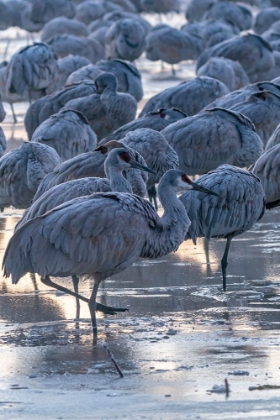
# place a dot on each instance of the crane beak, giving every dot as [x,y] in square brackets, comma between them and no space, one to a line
[197,187]
[136,165]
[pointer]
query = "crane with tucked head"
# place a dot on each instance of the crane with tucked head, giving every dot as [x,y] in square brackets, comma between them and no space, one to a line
[238,205]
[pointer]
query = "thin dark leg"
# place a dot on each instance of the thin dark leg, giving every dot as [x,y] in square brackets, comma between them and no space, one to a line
[75,280]
[13,112]
[108,310]
[173,70]
[92,306]
[152,193]
[224,262]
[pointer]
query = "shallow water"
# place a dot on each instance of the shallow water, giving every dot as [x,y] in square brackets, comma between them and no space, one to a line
[181,336]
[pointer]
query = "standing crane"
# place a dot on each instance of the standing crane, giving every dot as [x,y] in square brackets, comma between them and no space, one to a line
[100,235]
[239,205]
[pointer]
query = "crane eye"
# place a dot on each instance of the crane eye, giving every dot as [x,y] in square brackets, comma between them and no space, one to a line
[103,150]
[185,178]
[125,156]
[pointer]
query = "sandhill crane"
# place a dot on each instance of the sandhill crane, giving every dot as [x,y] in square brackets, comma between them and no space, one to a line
[22,170]
[212,138]
[125,39]
[263,109]
[230,72]
[45,107]
[108,109]
[8,16]
[117,161]
[252,51]
[190,96]
[265,18]
[171,45]
[89,10]
[165,6]
[210,27]
[239,205]
[196,9]
[129,78]
[43,12]
[228,11]
[157,121]
[241,95]
[100,247]
[66,66]
[65,44]
[68,132]
[91,164]
[63,25]
[24,9]
[32,68]
[267,169]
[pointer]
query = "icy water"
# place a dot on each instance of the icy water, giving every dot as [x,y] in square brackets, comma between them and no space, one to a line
[180,338]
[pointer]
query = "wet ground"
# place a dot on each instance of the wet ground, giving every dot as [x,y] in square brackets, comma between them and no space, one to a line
[180,338]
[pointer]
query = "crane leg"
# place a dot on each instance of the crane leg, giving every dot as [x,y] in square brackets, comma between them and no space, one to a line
[173,70]
[92,306]
[224,262]
[152,193]
[75,280]
[13,112]
[108,310]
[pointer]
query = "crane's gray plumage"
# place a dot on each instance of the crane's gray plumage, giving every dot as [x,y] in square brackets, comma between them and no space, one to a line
[2,111]
[8,16]
[240,15]
[45,107]
[190,96]
[117,161]
[66,66]
[214,137]
[108,109]
[91,10]
[68,132]
[157,121]
[32,68]
[267,169]
[22,170]
[196,9]
[171,45]
[158,154]
[164,6]
[3,143]
[44,11]
[265,18]
[91,164]
[63,25]
[241,95]
[65,44]
[125,39]
[230,72]
[239,205]
[263,109]
[274,138]
[129,78]
[252,51]
[82,237]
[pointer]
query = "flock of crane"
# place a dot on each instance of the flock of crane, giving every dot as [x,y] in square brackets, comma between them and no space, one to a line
[89,163]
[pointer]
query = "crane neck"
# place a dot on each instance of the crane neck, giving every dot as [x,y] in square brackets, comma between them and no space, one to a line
[118,182]
[174,210]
